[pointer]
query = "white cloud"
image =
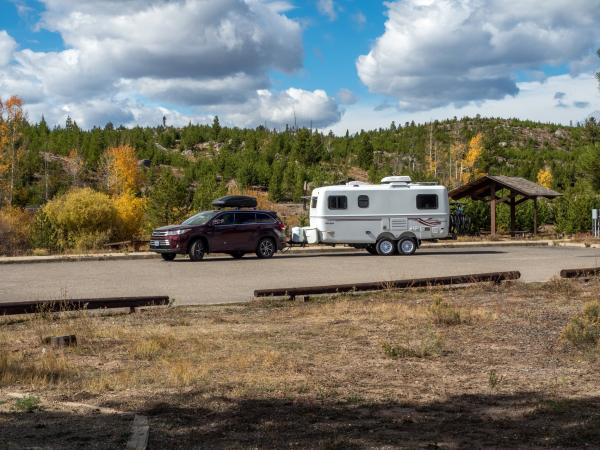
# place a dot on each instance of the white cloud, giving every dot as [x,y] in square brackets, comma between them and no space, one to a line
[535,101]
[435,53]
[121,55]
[7,48]
[327,8]
[292,106]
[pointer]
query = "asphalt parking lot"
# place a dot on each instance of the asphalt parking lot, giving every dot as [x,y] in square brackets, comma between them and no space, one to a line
[221,279]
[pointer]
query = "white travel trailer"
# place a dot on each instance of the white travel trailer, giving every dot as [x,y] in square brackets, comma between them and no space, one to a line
[387,218]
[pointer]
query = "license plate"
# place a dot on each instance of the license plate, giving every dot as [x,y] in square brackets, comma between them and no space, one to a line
[155,243]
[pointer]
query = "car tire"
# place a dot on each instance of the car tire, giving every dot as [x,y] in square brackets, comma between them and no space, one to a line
[407,246]
[168,256]
[196,250]
[372,249]
[237,255]
[265,248]
[386,247]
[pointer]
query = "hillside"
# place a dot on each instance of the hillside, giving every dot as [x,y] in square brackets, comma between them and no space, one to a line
[167,172]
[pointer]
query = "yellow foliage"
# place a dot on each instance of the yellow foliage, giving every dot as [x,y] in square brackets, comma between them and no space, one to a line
[123,172]
[84,218]
[130,214]
[545,178]
[474,151]
[15,226]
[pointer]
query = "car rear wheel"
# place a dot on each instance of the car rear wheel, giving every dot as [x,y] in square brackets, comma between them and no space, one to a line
[407,246]
[168,256]
[196,250]
[386,247]
[265,248]
[237,255]
[372,249]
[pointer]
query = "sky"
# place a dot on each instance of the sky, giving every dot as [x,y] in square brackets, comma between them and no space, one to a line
[329,64]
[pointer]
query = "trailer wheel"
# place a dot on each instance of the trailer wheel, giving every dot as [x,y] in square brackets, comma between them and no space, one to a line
[372,249]
[407,246]
[386,247]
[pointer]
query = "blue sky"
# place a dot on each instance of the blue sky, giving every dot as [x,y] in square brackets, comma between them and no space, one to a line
[338,64]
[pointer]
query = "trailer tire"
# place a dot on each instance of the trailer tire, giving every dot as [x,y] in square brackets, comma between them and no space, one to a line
[407,246]
[372,249]
[386,247]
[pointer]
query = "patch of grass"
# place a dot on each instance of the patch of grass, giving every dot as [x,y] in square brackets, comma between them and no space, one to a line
[494,380]
[429,345]
[27,404]
[443,313]
[584,330]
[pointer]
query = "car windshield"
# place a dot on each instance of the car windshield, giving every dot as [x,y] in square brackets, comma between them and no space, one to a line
[200,218]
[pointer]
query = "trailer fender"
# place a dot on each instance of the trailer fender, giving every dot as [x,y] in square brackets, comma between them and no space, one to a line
[386,235]
[409,234]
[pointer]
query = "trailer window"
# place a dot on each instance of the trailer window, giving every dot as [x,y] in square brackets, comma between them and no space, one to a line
[337,202]
[313,202]
[427,201]
[363,201]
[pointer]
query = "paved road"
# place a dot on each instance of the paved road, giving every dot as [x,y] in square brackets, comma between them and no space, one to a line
[224,280]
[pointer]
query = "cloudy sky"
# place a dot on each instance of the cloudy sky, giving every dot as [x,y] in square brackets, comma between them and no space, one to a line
[335,64]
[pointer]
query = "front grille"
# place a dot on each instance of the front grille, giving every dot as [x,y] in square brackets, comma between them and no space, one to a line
[161,243]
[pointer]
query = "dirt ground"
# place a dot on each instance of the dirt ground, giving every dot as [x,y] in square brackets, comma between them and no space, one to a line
[476,367]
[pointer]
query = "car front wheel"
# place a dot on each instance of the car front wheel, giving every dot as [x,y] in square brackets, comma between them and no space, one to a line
[196,250]
[265,248]
[386,247]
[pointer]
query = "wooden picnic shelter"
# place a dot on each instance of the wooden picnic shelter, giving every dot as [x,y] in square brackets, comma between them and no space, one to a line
[519,189]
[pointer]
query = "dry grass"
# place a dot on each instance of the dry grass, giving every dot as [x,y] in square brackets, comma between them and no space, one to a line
[413,346]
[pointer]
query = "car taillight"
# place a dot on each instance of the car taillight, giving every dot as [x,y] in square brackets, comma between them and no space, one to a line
[281,226]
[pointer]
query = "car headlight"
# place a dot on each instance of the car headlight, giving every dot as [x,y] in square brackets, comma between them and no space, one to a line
[176,232]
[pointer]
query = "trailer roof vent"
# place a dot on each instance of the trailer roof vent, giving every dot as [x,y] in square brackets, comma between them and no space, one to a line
[396,180]
[356,183]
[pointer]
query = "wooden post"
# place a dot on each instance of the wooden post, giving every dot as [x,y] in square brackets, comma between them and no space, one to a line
[493,209]
[513,208]
[535,224]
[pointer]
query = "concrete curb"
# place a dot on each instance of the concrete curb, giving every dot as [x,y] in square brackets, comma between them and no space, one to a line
[292,251]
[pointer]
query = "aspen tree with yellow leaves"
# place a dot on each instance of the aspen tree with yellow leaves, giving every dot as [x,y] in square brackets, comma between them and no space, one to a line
[123,171]
[474,151]
[544,177]
[11,122]
[124,179]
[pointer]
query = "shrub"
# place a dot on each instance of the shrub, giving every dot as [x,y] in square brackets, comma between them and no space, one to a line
[573,212]
[43,233]
[83,218]
[15,227]
[27,404]
[131,211]
[444,314]
[429,345]
[584,330]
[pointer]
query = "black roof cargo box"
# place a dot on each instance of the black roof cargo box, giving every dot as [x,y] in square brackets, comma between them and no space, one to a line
[235,201]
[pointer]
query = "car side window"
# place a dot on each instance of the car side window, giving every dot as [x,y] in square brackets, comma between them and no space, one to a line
[427,201]
[225,219]
[337,202]
[244,218]
[264,218]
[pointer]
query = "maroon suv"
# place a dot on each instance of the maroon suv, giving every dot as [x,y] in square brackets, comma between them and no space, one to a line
[235,232]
